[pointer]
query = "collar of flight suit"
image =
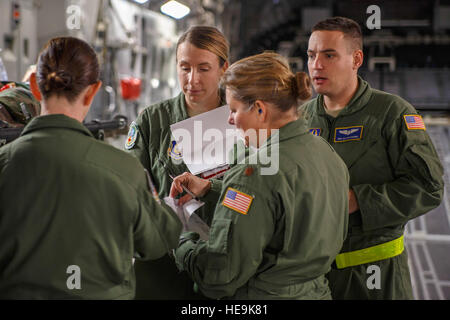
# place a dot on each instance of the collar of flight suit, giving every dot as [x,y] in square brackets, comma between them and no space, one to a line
[180,110]
[357,102]
[288,131]
[181,106]
[59,121]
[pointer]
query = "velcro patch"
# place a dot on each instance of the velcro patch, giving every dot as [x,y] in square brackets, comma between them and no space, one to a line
[414,122]
[174,151]
[316,131]
[348,134]
[132,136]
[237,200]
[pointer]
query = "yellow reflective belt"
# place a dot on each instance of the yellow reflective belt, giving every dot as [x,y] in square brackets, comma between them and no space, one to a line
[376,253]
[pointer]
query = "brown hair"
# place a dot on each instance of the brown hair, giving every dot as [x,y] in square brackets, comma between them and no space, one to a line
[65,67]
[348,27]
[207,38]
[267,77]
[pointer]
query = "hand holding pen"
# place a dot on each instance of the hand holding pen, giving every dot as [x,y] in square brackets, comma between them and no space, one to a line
[193,186]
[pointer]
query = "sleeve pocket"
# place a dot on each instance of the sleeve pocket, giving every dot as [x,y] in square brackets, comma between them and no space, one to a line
[218,243]
[427,165]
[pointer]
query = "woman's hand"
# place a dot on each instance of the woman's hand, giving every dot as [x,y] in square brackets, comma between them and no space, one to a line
[196,185]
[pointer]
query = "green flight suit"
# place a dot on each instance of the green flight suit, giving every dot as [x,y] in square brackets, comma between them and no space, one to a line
[395,174]
[282,246]
[67,199]
[153,146]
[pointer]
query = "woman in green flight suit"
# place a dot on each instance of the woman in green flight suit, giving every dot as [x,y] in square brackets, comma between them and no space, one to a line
[73,210]
[202,58]
[272,236]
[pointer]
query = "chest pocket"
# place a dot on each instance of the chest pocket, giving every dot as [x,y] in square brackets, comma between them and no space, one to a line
[162,166]
[364,152]
[170,158]
[169,166]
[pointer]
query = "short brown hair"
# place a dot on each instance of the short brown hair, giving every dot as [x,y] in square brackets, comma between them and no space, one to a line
[348,27]
[207,38]
[267,77]
[65,67]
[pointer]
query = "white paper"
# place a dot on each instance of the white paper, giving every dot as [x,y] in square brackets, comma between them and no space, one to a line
[190,220]
[205,140]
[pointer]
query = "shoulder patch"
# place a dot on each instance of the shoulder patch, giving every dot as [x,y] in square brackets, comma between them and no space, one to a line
[174,151]
[132,136]
[237,200]
[414,122]
[348,134]
[316,131]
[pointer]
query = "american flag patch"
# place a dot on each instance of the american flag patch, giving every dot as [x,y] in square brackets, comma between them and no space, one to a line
[414,122]
[238,201]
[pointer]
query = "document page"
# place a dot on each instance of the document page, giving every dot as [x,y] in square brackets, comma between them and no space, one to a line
[205,140]
[190,220]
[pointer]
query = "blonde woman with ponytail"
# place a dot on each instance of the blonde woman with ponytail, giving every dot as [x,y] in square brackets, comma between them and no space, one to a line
[201,59]
[273,236]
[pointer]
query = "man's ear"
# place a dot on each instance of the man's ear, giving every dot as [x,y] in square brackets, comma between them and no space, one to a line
[91,92]
[34,87]
[358,58]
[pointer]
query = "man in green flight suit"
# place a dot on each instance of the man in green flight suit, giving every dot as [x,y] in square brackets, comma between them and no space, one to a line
[395,172]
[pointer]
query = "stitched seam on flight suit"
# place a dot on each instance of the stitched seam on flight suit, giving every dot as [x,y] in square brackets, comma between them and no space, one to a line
[146,140]
[147,116]
[133,186]
[383,119]
[233,216]
[132,217]
[138,123]
[161,237]
[392,131]
[423,168]
[7,156]
[121,177]
[161,112]
[399,125]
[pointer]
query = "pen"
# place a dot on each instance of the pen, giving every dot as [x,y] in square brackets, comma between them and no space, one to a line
[186,189]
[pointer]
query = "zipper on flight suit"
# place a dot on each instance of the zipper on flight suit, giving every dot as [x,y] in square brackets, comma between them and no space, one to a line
[331,124]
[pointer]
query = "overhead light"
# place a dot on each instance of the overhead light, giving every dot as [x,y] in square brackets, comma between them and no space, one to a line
[171,82]
[141,1]
[175,9]
[154,83]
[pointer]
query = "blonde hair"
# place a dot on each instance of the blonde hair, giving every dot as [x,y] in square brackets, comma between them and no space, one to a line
[207,38]
[267,77]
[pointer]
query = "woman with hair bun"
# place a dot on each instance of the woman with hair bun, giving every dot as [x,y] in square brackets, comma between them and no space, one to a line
[273,236]
[74,211]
